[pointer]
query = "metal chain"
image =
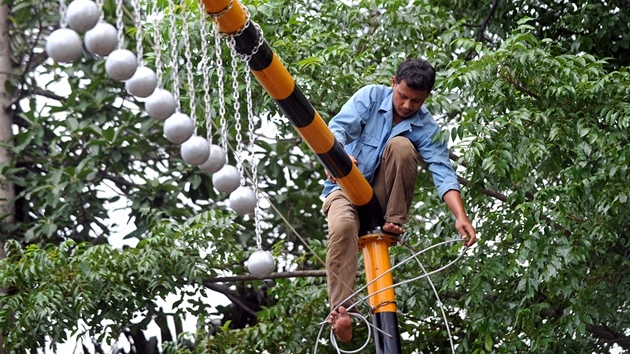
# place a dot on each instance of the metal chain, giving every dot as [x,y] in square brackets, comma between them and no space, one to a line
[261,40]
[99,4]
[205,67]
[230,37]
[223,12]
[137,22]
[251,127]
[174,53]
[157,42]
[253,160]
[189,66]
[250,118]
[63,10]
[245,25]
[120,26]
[237,115]
[219,64]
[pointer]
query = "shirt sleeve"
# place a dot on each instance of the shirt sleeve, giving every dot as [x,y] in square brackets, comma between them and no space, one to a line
[347,125]
[436,155]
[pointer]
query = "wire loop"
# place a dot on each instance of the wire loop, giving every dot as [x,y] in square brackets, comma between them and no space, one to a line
[364,299]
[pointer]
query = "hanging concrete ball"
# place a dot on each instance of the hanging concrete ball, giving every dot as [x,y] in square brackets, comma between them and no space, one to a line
[195,150]
[64,45]
[102,39]
[160,105]
[121,64]
[142,83]
[215,161]
[261,264]
[227,179]
[179,128]
[82,15]
[243,200]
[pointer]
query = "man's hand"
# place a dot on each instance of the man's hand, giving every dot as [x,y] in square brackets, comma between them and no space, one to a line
[453,199]
[331,178]
[468,232]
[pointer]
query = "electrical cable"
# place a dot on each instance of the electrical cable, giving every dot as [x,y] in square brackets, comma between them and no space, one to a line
[363,299]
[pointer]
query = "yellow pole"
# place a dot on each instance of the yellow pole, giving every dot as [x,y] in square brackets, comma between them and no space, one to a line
[382,298]
[376,259]
[278,82]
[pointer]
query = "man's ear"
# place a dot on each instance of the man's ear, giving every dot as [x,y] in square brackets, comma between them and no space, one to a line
[393,81]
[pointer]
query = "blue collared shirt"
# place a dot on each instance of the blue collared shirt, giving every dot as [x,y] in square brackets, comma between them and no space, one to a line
[365,124]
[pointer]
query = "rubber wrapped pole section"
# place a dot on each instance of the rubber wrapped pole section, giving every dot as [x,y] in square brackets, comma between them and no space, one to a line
[274,77]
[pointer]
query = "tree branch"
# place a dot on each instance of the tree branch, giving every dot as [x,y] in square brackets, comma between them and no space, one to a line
[456,158]
[504,198]
[465,182]
[230,295]
[602,332]
[508,77]
[484,24]
[47,94]
[606,333]
[486,191]
[482,28]
[119,181]
[281,275]
[36,60]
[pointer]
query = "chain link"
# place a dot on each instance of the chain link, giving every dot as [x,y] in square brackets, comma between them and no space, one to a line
[237,116]
[231,38]
[248,22]
[250,117]
[120,26]
[174,52]
[63,11]
[189,66]
[157,42]
[261,41]
[253,160]
[219,65]
[222,12]
[251,126]
[205,67]
[99,4]
[242,29]
[137,22]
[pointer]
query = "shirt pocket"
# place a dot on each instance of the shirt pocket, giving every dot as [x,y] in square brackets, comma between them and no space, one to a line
[367,153]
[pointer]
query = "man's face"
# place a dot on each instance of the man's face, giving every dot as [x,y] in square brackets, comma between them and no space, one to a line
[407,101]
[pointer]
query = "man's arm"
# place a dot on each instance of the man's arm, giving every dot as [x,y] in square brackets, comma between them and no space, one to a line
[454,202]
[348,123]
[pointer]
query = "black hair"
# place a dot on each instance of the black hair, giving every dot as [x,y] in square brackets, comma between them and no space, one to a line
[417,73]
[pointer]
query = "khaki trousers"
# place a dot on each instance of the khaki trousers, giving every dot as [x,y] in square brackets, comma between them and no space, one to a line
[394,186]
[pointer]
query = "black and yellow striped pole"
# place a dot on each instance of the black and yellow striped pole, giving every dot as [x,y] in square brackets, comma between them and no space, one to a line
[233,20]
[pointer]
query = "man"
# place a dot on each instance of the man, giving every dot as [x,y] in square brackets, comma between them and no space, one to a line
[386,131]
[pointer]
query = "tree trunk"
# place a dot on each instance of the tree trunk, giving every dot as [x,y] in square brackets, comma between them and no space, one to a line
[7,193]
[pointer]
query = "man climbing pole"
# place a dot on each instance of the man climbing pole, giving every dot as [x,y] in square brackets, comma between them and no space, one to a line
[386,131]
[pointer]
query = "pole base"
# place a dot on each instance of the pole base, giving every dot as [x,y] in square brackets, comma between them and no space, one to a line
[388,322]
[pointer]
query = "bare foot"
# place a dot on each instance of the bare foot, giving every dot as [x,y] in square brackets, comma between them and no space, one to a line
[393,228]
[341,324]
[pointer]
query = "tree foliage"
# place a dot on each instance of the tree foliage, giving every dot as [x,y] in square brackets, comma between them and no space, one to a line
[533,97]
